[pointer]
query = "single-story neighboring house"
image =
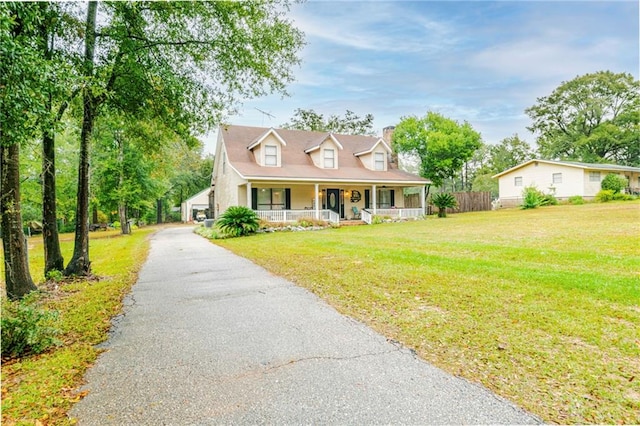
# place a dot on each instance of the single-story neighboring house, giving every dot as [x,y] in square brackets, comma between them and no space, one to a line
[562,179]
[285,175]
[194,206]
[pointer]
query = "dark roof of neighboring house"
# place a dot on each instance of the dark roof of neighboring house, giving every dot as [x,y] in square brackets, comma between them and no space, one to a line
[298,165]
[590,166]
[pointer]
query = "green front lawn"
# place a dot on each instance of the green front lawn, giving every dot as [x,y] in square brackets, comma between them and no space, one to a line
[541,306]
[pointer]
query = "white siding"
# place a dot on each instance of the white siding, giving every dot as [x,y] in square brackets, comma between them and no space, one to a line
[540,175]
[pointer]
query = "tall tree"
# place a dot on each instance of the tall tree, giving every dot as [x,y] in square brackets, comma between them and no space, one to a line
[185,62]
[442,145]
[59,27]
[509,152]
[21,105]
[592,118]
[350,124]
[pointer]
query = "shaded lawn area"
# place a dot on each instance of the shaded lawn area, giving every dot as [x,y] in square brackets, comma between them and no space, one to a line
[541,306]
[40,389]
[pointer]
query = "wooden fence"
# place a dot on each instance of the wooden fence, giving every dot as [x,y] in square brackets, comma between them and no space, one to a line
[467,202]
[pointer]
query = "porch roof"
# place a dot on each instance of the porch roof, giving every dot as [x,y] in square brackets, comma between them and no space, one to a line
[297,166]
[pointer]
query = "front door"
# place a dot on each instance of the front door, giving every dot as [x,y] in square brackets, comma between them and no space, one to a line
[333,201]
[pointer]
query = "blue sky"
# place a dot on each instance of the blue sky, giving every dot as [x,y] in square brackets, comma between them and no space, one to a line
[483,62]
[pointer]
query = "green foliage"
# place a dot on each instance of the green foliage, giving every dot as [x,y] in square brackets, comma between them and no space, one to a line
[605,195]
[444,201]
[238,221]
[307,222]
[592,118]
[621,196]
[442,145]
[614,182]
[350,124]
[531,197]
[576,199]
[509,153]
[26,328]
[377,219]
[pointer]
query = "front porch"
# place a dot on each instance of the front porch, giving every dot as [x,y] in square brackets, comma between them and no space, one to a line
[366,216]
[289,202]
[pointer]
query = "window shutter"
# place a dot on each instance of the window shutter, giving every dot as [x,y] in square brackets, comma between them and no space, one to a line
[254,198]
[367,198]
[393,197]
[287,198]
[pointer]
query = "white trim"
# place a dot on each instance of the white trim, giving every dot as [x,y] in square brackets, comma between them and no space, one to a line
[317,146]
[584,166]
[260,139]
[380,141]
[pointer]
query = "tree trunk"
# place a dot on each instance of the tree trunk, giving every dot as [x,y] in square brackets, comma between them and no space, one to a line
[53,260]
[80,263]
[159,211]
[122,207]
[16,266]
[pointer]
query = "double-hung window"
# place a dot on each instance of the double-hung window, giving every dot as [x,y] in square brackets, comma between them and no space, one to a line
[270,155]
[594,176]
[329,159]
[517,181]
[379,161]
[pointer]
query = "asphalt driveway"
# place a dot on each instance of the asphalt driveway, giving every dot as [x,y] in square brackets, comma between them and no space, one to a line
[208,337]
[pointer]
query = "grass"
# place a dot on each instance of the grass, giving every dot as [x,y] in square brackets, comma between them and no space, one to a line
[41,389]
[541,306]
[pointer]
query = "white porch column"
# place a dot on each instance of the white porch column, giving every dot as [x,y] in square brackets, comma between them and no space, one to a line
[249,194]
[422,195]
[374,199]
[316,198]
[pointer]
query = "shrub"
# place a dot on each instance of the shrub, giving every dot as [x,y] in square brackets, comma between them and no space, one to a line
[377,219]
[307,222]
[613,182]
[576,199]
[238,221]
[26,329]
[444,201]
[605,195]
[619,196]
[532,197]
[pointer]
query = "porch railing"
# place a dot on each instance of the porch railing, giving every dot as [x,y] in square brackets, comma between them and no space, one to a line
[400,213]
[367,215]
[295,215]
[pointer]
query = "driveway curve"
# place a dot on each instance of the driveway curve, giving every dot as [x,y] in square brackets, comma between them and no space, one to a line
[208,337]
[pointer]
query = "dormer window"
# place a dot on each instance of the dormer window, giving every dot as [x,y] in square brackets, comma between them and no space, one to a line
[329,159]
[270,155]
[379,161]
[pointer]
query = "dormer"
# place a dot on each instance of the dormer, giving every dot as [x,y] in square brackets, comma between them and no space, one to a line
[324,154]
[377,157]
[267,149]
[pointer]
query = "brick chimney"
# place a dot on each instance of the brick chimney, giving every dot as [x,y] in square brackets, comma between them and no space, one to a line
[387,133]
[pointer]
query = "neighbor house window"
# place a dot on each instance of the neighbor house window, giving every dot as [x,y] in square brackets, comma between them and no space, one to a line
[557,178]
[594,176]
[270,155]
[517,181]
[329,159]
[379,159]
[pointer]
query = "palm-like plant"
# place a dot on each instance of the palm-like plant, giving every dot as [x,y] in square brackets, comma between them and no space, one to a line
[238,221]
[444,201]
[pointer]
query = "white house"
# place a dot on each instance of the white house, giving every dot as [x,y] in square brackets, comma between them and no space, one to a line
[285,175]
[199,203]
[563,179]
